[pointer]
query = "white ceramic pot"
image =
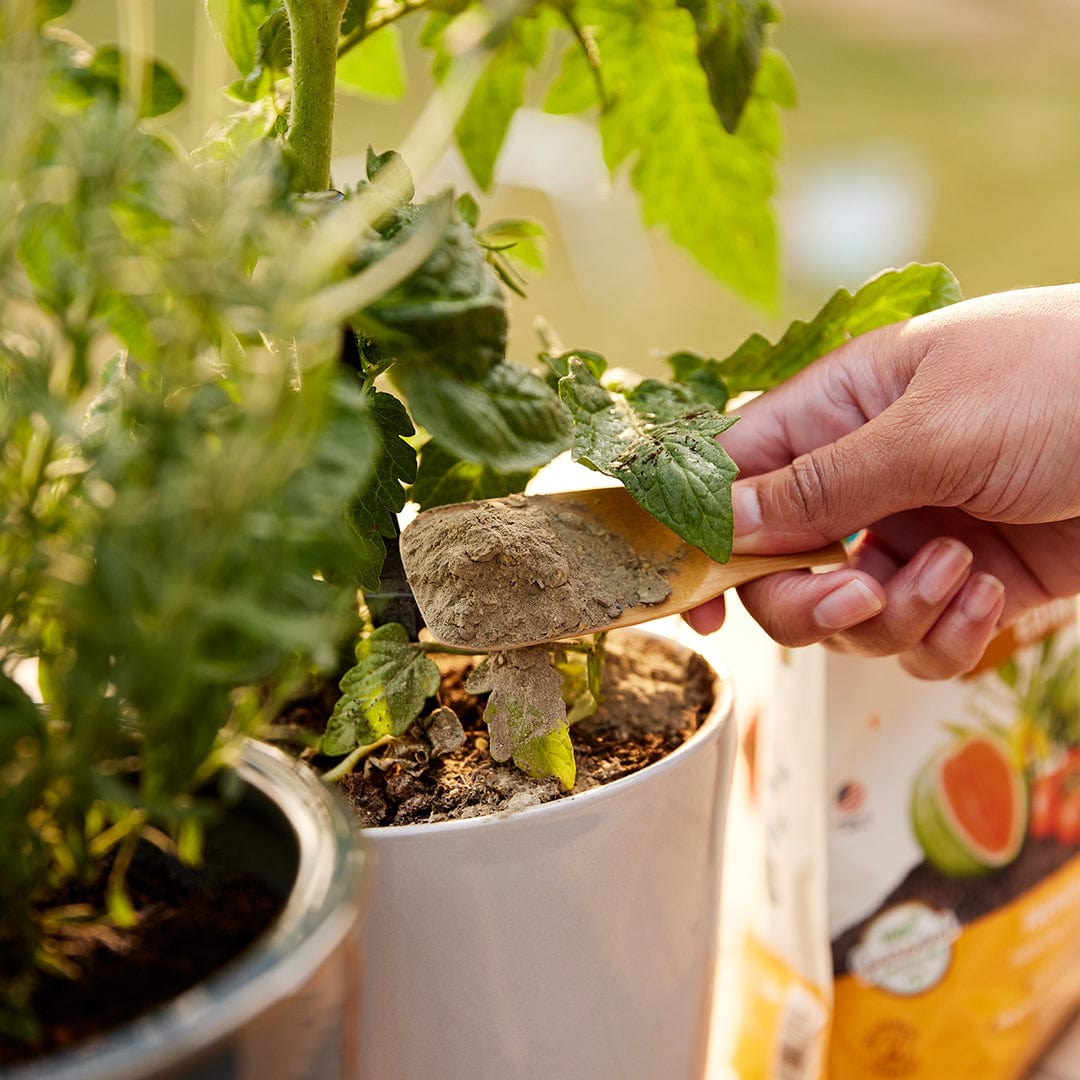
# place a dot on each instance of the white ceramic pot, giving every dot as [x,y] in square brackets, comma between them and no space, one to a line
[573,939]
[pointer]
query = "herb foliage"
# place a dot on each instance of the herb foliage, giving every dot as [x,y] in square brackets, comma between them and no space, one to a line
[221,379]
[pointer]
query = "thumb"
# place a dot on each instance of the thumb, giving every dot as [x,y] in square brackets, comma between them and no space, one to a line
[830,492]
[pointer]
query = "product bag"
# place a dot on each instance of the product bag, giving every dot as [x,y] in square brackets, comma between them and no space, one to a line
[915,905]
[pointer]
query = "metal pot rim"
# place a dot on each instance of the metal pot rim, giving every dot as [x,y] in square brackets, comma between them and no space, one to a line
[321,909]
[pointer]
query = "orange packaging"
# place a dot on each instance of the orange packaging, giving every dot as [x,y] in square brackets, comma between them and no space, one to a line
[920,878]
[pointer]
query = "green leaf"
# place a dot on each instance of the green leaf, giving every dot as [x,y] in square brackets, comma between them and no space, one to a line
[274,48]
[118,904]
[887,298]
[370,513]
[238,23]
[708,188]
[385,264]
[375,67]
[526,715]
[468,210]
[576,87]
[450,311]
[389,171]
[443,478]
[579,690]
[347,451]
[509,420]
[731,34]
[498,91]
[700,376]
[515,238]
[512,242]
[161,90]
[47,10]
[189,841]
[231,138]
[1009,672]
[383,694]
[559,363]
[21,718]
[273,58]
[660,441]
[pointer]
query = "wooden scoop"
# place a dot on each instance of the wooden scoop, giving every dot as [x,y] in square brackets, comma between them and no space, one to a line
[690,574]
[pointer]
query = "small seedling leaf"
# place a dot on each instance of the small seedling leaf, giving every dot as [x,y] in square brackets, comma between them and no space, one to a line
[383,694]
[525,704]
[549,755]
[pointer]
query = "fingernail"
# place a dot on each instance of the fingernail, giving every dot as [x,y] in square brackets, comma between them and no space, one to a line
[942,573]
[982,597]
[746,509]
[847,605]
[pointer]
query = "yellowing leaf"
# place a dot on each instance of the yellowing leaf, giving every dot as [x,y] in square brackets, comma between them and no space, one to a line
[383,694]
[525,713]
[549,755]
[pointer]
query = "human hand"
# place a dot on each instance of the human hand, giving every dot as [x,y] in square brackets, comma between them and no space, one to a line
[953,439]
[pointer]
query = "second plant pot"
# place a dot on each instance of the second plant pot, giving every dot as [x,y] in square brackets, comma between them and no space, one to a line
[577,938]
[286,1008]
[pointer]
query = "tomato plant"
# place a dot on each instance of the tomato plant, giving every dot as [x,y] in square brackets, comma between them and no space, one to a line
[221,378]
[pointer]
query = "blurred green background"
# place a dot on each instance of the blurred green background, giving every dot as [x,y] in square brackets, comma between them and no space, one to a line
[929,131]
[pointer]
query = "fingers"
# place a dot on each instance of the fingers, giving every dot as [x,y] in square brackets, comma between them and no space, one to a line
[843,444]
[932,611]
[799,608]
[960,637]
[707,618]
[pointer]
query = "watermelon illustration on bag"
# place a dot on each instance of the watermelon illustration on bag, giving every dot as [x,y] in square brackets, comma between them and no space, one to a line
[969,807]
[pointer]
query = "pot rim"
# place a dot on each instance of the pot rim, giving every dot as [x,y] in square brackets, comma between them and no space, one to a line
[322,908]
[721,714]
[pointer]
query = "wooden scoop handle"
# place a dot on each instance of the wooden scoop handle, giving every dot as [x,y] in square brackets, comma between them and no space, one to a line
[740,569]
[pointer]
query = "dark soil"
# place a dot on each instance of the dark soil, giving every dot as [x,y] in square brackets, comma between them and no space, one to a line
[654,699]
[969,898]
[190,924]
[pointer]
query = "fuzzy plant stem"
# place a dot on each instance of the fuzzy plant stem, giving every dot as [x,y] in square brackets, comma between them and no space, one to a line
[314,26]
